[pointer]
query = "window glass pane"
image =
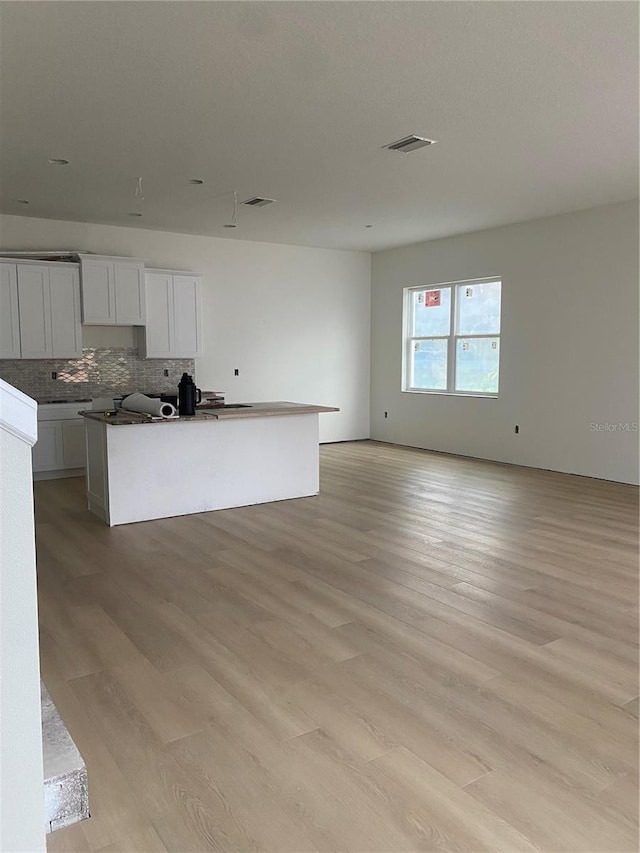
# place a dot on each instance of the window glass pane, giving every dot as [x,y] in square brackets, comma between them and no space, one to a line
[477,361]
[428,365]
[431,312]
[479,308]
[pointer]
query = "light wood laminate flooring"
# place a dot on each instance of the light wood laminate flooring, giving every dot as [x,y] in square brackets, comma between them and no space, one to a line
[434,654]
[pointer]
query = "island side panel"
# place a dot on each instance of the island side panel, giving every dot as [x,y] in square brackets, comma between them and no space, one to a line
[163,470]
[97,472]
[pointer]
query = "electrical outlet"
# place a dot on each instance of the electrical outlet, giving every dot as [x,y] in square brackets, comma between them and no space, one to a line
[386,414]
[517,429]
[236,372]
[54,374]
[166,371]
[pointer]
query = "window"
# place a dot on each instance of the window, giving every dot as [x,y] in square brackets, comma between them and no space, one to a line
[452,338]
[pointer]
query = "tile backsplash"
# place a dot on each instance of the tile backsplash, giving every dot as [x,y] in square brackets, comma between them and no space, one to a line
[101,372]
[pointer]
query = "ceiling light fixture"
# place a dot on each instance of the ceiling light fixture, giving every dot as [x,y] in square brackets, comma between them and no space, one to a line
[21,201]
[410,143]
[134,214]
[195,181]
[139,194]
[234,217]
[369,226]
[58,161]
[258,201]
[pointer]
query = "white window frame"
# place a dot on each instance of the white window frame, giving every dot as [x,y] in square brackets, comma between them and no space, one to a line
[452,338]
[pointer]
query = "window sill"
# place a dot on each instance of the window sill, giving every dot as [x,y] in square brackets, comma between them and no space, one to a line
[451,393]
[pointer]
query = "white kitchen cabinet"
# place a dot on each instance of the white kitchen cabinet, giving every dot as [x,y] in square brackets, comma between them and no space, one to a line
[66,328]
[98,292]
[9,319]
[174,315]
[44,299]
[113,291]
[60,448]
[34,300]
[187,329]
[158,331]
[48,452]
[130,293]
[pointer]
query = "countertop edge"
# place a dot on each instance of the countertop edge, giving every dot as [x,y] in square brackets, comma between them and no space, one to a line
[299,409]
[252,410]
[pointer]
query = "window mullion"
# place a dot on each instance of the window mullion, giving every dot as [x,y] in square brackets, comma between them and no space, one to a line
[451,346]
[478,336]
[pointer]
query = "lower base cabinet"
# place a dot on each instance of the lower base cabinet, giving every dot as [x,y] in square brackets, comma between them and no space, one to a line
[48,453]
[60,450]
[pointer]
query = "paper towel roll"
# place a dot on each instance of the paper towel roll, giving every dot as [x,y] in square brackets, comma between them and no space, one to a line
[148,406]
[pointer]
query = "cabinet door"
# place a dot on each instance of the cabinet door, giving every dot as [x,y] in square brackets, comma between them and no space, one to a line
[9,322]
[48,454]
[129,293]
[159,328]
[73,444]
[34,308]
[66,329]
[187,332]
[98,292]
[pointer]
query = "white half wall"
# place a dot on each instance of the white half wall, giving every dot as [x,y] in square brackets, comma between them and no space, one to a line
[22,819]
[294,321]
[569,348]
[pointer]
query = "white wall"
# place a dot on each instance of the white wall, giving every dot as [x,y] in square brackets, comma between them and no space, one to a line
[21,775]
[295,321]
[569,350]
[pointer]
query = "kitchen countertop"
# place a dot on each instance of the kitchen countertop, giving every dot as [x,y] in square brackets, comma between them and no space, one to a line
[248,410]
[42,402]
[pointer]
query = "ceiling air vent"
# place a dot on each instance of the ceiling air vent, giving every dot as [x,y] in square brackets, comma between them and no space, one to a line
[257,201]
[409,143]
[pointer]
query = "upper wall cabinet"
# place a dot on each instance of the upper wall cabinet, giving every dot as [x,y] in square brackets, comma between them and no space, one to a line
[49,310]
[40,310]
[9,320]
[66,321]
[174,325]
[34,300]
[113,291]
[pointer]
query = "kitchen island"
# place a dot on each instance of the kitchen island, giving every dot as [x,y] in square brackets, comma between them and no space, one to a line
[140,469]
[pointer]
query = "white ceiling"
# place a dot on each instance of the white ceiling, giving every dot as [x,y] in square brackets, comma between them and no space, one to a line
[534,106]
